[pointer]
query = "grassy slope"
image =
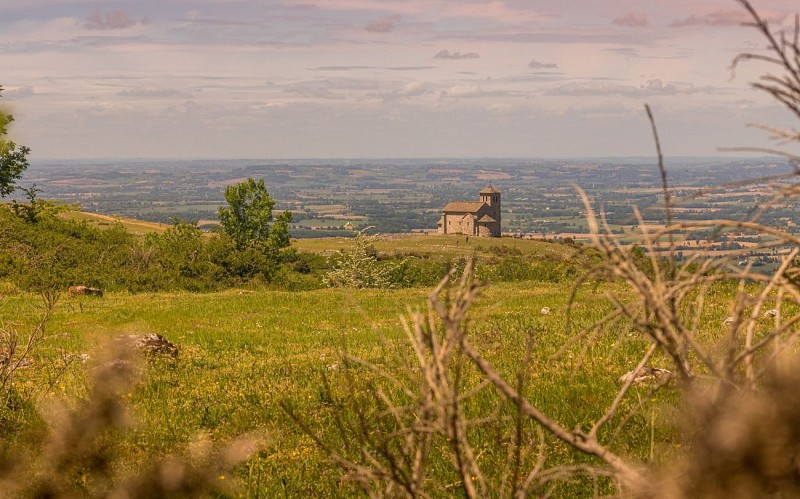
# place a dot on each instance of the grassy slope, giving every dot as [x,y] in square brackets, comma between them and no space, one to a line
[244,352]
[397,243]
[445,245]
[133,226]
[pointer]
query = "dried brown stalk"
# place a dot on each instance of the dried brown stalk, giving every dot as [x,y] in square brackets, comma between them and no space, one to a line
[14,355]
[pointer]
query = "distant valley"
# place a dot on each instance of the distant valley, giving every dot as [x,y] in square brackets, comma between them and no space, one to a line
[405,195]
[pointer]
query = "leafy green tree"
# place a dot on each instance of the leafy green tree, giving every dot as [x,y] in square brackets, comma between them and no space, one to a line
[13,158]
[247,219]
[37,209]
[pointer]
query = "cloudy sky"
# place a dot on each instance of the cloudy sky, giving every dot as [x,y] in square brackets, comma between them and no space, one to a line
[380,78]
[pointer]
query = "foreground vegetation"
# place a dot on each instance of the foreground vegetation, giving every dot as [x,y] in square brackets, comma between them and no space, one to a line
[243,354]
[252,352]
[250,359]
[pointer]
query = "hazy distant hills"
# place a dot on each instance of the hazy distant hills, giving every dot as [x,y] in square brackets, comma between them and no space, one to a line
[400,195]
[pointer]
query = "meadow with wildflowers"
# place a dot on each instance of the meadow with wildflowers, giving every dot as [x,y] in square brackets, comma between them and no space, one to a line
[246,356]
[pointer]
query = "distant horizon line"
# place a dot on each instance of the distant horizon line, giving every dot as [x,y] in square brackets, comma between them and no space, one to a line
[406,158]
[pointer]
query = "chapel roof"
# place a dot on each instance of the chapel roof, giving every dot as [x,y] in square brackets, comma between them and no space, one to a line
[489,190]
[463,206]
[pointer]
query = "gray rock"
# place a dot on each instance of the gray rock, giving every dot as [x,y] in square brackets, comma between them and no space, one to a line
[153,344]
[83,291]
[646,374]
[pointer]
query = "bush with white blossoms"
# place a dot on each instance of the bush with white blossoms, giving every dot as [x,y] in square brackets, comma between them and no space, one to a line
[358,265]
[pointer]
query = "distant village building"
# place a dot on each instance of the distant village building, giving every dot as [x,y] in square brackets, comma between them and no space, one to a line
[473,218]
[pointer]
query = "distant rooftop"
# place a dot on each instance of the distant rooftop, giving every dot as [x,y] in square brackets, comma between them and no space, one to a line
[464,206]
[490,190]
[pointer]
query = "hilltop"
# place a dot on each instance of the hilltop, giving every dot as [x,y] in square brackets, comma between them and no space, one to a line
[136,227]
[424,244]
[387,244]
[124,254]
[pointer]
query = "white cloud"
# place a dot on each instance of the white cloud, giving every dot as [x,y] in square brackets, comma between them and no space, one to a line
[649,88]
[412,89]
[446,54]
[314,90]
[632,20]
[534,64]
[155,93]
[728,17]
[311,75]
[385,24]
[468,91]
[115,19]
[16,93]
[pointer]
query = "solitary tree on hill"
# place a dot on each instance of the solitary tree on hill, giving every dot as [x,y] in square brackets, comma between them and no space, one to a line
[248,217]
[13,158]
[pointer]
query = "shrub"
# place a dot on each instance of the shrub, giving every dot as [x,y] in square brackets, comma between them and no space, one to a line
[358,266]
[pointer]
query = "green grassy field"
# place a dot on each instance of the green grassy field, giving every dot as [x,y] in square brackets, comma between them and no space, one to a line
[249,357]
[443,246]
[242,353]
